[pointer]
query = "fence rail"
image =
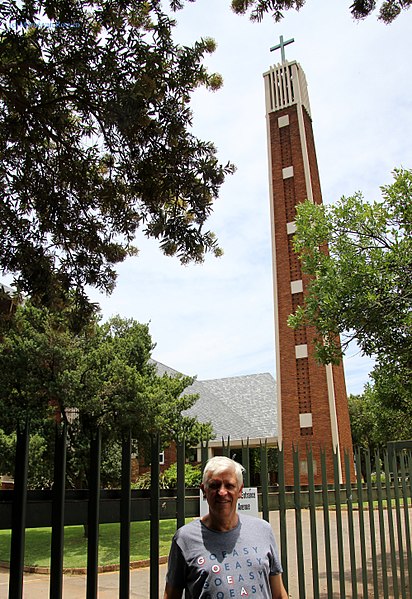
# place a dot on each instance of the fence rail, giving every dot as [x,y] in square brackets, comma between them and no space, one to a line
[336,540]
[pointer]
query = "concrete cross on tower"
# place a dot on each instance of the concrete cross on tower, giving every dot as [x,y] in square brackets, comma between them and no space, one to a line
[282,47]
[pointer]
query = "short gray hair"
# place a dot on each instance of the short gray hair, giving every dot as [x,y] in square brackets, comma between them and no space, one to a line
[219,464]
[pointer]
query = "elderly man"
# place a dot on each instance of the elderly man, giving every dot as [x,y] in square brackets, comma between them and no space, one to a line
[224,555]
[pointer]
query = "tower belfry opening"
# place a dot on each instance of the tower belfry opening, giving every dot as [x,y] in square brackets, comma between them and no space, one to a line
[312,399]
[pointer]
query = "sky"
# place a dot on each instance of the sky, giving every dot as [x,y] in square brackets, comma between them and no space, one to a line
[216,319]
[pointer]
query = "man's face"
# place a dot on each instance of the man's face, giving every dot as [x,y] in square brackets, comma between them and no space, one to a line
[222,492]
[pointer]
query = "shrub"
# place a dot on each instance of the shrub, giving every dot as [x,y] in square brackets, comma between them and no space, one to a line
[168,479]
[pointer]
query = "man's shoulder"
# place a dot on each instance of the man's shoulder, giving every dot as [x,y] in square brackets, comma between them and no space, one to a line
[188,536]
[188,529]
[254,523]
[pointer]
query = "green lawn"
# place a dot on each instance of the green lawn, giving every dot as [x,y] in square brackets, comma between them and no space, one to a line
[37,551]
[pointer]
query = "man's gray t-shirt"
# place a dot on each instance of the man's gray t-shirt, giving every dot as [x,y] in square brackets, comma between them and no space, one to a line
[210,564]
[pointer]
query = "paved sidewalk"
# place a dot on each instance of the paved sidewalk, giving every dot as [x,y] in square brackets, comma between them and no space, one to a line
[36,586]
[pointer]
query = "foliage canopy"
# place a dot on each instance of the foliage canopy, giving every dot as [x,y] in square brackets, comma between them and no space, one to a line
[388,9]
[96,142]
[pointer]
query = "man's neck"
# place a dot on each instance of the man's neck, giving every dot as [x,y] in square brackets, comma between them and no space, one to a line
[218,524]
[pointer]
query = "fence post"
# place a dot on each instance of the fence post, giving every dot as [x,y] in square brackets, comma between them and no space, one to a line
[264,480]
[349,503]
[93,515]
[226,447]
[313,533]
[246,463]
[372,522]
[410,472]
[282,518]
[381,527]
[395,584]
[406,521]
[19,513]
[181,491]
[395,457]
[59,487]
[204,453]
[326,523]
[298,523]
[339,530]
[358,461]
[154,516]
[125,514]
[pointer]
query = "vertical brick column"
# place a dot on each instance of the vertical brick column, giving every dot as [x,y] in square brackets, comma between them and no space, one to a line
[312,398]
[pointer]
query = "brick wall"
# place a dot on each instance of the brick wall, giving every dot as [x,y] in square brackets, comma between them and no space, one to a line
[139,467]
[303,383]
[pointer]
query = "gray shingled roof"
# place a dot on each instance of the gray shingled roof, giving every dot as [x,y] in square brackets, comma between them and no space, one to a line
[163,369]
[239,407]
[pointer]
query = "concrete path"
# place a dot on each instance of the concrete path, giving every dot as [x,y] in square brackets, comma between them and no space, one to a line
[36,586]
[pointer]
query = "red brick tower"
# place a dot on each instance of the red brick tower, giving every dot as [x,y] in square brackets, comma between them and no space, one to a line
[312,399]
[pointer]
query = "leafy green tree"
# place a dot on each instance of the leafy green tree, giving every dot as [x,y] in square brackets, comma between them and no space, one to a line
[40,456]
[388,9]
[392,397]
[362,419]
[39,359]
[96,142]
[100,376]
[364,427]
[361,286]
[380,414]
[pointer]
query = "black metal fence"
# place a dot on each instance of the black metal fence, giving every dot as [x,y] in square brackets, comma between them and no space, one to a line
[351,540]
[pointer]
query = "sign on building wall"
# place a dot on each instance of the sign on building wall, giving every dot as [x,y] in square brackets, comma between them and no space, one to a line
[247,504]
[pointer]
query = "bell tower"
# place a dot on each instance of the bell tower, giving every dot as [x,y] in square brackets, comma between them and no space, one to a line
[312,399]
